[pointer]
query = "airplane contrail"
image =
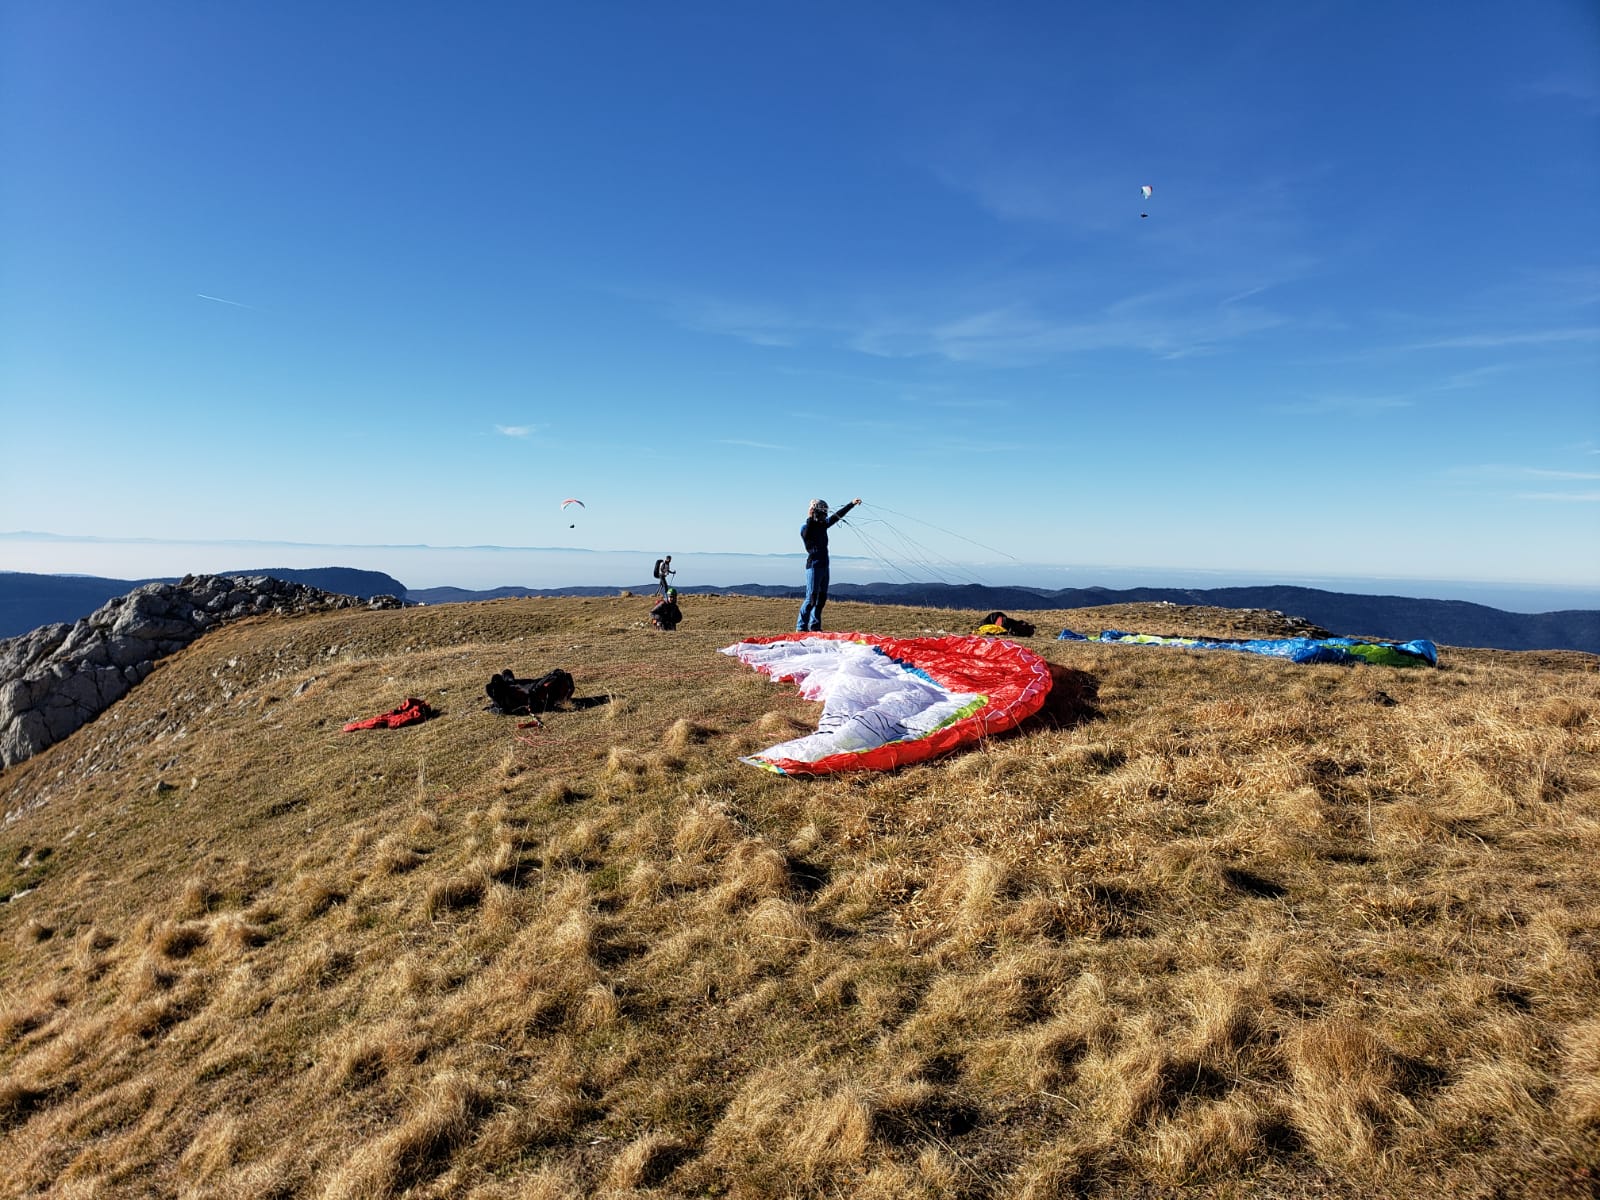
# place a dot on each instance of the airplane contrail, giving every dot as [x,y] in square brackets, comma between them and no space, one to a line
[220,300]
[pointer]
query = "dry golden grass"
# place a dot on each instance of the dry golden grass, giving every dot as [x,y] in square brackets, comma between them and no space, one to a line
[1212,924]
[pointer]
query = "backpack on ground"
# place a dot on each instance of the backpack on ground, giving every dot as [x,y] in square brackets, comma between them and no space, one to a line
[1015,626]
[513,695]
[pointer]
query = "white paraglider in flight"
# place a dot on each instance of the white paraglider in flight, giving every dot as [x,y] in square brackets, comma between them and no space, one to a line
[1145,192]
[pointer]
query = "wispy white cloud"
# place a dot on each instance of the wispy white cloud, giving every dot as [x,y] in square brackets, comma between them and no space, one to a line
[752,445]
[1247,293]
[515,431]
[1347,403]
[1359,402]
[760,325]
[1502,338]
[1511,471]
[1166,324]
[1511,474]
[1012,316]
[966,445]
[1018,335]
[1462,380]
[1537,473]
[1059,190]
[221,300]
[1575,286]
[1584,94]
[1039,191]
[886,380]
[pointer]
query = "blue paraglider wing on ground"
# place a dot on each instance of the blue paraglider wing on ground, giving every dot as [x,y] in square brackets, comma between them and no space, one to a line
[1416,653]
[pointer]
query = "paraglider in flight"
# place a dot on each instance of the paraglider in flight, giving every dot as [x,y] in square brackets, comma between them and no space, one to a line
[1145,192]
[568,503]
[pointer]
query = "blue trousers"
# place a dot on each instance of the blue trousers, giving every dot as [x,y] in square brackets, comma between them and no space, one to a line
[816,596]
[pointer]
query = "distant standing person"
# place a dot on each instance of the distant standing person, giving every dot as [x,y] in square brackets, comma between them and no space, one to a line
[814,533]
[663,569]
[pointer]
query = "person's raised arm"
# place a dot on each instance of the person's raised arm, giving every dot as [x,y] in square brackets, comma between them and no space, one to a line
[840,514]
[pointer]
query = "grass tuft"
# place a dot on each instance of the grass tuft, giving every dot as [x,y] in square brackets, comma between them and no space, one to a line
[416,1148]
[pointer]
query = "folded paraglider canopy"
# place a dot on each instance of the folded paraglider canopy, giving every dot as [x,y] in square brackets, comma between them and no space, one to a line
[1416,653]
[890,701]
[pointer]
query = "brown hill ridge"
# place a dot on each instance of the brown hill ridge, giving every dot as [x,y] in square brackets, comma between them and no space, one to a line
[1217,924]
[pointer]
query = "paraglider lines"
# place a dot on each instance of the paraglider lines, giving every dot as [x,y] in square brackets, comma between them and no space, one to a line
[935,566]
[907,540]
[882,558]
[946,532]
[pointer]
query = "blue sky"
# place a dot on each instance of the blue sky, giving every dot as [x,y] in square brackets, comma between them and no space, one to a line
[379,274]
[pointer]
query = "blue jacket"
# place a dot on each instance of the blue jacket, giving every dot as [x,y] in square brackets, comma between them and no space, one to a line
[814,533]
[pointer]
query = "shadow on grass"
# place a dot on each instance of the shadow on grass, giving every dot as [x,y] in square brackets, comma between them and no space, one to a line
[1073,700]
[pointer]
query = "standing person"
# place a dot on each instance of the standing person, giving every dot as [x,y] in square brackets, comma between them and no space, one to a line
[663,569]
[814,533]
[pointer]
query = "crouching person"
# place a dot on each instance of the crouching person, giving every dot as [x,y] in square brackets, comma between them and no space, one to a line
[666,614]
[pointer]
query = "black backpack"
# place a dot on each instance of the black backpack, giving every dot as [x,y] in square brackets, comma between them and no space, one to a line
[1015,626]
[513,695]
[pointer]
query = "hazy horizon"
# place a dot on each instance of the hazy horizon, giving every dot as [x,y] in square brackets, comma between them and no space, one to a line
[483,568]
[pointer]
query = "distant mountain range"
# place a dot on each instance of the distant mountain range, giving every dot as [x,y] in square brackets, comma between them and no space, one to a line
[1447,622]
[28,601]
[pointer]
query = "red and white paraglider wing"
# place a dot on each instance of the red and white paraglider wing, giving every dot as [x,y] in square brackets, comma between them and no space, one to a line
[887,702]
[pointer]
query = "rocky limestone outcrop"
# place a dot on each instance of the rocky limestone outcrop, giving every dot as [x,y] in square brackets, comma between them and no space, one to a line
[60,677]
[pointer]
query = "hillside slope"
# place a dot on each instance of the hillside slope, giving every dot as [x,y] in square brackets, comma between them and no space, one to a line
[1216,922]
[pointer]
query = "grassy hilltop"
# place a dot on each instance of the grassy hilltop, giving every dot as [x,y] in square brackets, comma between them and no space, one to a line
[1215,924]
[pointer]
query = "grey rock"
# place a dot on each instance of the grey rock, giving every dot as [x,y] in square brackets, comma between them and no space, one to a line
[125,652]
[59,677]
